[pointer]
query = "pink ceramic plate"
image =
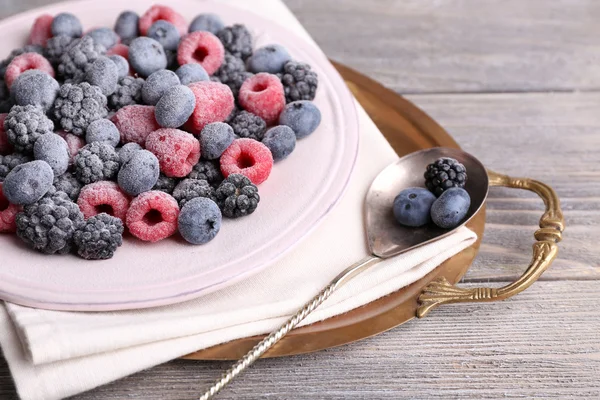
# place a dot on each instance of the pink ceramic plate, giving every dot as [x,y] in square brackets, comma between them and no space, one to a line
[299,193]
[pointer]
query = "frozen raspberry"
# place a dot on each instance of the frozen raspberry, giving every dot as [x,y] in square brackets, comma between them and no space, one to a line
[135,123]
[119,49]
[158,12]
[152,216]
[203,48]
[5,146]
[8,214]
[177,151]
[214,103]
[237,40]
[247,157]
[262,94]
[30,48]
[74,143]
[103,197]
[26,62]
[41,30]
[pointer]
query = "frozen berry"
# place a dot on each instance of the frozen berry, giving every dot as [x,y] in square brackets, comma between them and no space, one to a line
[10,162]
[177,151]
[103,130]
[262,94]
[199,220]
[232,73]
[78,105]
[121,64]
[76,58]
[237,196]
[24,125]
[74,143]
[190,73]
[96,161]
[52,149]
[215,138]
[5,146]
[158,12]
[36,88]
[269,59]
[207,22]
[299,81]
[66,24]
[69,184]
[103,197]
[119,49]
[8,214]
[281,140]
[56,47]
[127,93]
[104,36]
[103,73]
[25,62]
[41,30]
[443,174]
[208,170]
[249,158]
[127,151]
[203,48]
[152,216]
[236,40]
[27,183]
[135,123]
[140,173]
[247,125]
[214,102]
[302,116]
[175,107]
[450,208]
[99,237]
[165,33]
[157,84]
[189,189]
[165,184]
[127,26]
[146,56]
[412,206]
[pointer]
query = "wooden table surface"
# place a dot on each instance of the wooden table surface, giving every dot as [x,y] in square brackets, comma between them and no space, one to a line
[516,83]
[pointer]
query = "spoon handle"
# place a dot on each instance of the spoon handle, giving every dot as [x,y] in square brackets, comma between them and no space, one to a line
[268,342]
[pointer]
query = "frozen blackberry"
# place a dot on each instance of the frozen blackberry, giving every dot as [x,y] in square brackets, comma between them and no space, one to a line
[237,196]
[48,225]
[5,100]
[30,48]
[97,161]
[78,105]
[237,40]
[99,237]
[299,81]
[247,125]
[10,161]
[232,73]
[56,47]
[189,189]
[165,184]
[129,91]
[443,174]
[24,125]
[76,58]
[69,184]
[210,171]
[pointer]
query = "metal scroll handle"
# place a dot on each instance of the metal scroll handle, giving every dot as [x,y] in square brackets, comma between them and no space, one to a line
[545,250]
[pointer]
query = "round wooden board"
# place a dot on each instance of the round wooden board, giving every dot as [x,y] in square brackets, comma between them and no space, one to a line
[408,129]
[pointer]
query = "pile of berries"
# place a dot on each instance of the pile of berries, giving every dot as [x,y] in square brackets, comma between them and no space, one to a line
[444,202]
[152,127]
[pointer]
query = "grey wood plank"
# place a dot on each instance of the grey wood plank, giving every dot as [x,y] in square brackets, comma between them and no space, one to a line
[542,344]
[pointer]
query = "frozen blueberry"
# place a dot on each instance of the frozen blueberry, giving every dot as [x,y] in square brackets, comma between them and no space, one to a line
[215,138]
[281,140]
[103,73]
[190,73]
[269,59]
[207,22]
[175,107]
[66,24]
[27,183]
[450,208]
[157,84]
[52,149]
[302,116]
[165,33]
[104,36]
[412,206]
[199,220]
[36,88]
[103,130]
[127,151]
[146,56]
[122,65]
[139,174]
[127,26]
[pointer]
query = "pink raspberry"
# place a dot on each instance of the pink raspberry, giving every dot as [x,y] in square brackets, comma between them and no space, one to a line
[103,197]
[247,157]
[26,62]
[177,151]
[74,143]
[119,49]
[214,103]
[5,146]
[8,214]
[41,30]
[166,13]
[152,216]
[203,48]
[135,123]
[263,95]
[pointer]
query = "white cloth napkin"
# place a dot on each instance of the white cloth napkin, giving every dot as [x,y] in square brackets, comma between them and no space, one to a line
[54,354]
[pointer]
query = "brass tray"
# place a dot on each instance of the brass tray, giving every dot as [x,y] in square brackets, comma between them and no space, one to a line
[408,129]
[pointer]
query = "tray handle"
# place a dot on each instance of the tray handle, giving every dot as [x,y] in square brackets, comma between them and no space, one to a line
[545,250]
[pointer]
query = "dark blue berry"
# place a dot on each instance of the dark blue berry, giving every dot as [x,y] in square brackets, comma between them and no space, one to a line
[127,26]
[450,208]
[104,36]
[199,220]
[281,140]
[269,59]
[146,56]
[104,73]
[165,33]
[175,107]
[190,73]
[103,130]
[139,174]
[66,24]
[157,84]
[27,183]
[36,88]
[207,22]
[122,65]
[302,116]
[215,138]
[52,149]
[412,206]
